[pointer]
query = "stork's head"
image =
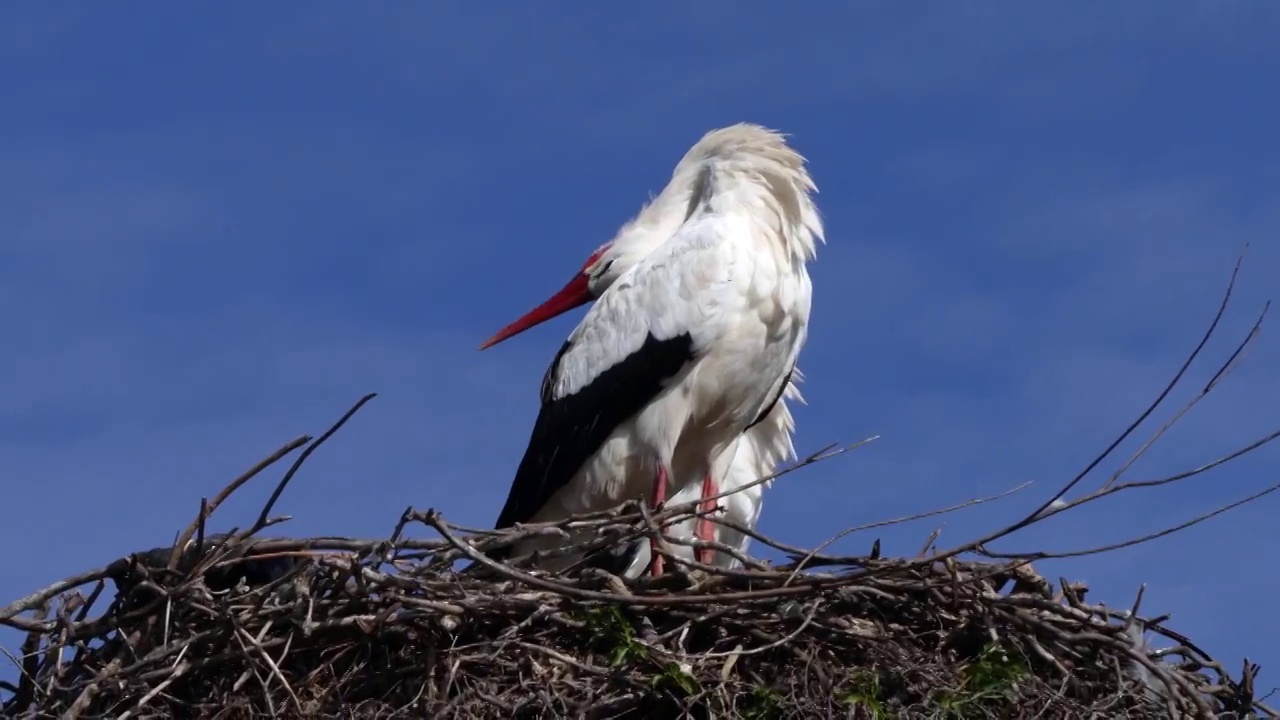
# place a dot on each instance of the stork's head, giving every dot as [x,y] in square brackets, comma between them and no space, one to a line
[602,269]
[597,274]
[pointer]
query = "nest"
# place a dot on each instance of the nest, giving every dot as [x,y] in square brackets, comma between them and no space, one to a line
[350,628]
[240,625]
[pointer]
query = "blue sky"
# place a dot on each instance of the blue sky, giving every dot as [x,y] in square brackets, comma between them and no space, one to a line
[219,228]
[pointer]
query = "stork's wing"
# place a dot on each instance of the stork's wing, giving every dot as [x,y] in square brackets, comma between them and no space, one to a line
[649,326]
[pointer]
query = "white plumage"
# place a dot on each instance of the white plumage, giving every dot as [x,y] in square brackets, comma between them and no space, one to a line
[703,306]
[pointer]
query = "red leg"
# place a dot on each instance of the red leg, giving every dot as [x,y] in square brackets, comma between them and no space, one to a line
[659,497]
[706,528]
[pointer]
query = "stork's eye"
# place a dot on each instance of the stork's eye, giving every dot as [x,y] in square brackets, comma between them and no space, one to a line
[602,268]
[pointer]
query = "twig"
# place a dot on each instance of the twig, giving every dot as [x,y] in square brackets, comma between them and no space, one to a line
[297,464]
[44,595]
[1165,532]
[207,509]
[808,557]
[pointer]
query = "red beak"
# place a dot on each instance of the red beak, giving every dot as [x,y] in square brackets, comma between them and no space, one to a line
[575,294]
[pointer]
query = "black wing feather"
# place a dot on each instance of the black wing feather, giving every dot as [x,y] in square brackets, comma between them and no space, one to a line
[549,378]
[572,428]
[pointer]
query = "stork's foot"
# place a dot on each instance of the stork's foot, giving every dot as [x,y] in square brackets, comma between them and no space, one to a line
[705,530]
[659,497]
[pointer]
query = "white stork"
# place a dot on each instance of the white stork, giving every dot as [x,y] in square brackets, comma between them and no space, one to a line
[702,306]
[755,455]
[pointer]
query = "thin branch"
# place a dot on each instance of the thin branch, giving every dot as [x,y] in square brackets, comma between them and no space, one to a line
[208,509]
[297,464]
[1164,532]
[1208,333]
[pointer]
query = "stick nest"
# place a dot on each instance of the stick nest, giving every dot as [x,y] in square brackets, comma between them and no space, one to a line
[351,628]
[236,625]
